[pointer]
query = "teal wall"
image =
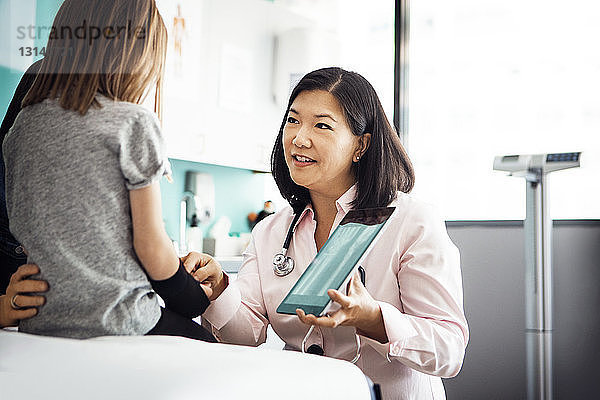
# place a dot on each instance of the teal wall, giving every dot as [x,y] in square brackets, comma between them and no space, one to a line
[9,79]
[45,11]
[237,191]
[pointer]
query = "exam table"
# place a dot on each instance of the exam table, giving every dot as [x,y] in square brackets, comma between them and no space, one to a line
[165,368]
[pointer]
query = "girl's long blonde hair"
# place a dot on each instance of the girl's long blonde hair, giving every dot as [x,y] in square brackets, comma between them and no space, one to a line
[116,48]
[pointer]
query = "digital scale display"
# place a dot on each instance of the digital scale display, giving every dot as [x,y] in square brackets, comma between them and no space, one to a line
[562,157]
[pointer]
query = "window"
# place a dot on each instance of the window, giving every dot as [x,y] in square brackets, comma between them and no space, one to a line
[502,77]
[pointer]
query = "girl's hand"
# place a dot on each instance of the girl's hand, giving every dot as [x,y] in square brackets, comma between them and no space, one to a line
[18,291]
[208,272]
[358,309]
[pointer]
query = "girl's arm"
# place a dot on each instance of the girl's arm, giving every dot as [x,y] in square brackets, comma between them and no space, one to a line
[150,241]
[143,162]
[169,277]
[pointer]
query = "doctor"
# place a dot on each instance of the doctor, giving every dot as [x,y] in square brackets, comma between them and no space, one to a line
[337,151]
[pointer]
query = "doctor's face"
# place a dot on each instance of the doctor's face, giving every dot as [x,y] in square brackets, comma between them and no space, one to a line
[318,144]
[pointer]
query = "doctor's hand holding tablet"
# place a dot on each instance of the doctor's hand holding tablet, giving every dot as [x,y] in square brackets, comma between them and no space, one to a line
[320,290]
[357,308]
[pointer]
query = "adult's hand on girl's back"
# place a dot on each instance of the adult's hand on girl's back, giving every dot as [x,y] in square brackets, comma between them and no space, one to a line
[19,302]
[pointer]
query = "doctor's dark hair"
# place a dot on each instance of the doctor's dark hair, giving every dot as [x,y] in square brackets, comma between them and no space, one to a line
[382,171]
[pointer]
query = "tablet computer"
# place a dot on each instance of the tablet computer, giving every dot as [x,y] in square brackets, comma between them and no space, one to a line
[335,263]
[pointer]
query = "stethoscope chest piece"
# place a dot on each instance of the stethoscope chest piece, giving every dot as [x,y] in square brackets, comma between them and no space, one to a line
[282,265]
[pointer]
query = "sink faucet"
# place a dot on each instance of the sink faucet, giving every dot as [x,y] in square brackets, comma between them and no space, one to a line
[183,217]
[183,223]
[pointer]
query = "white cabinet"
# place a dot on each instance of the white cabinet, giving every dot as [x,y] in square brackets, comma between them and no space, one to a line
[218,98]
[223,93]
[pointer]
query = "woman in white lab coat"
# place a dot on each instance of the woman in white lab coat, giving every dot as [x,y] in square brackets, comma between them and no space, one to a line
[337,151]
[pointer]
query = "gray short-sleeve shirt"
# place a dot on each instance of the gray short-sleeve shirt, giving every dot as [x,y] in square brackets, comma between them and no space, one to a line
[67,183]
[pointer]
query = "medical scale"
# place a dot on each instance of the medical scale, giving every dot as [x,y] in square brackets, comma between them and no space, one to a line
[538,262]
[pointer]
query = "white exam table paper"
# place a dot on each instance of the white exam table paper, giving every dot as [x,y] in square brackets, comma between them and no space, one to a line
[166,367]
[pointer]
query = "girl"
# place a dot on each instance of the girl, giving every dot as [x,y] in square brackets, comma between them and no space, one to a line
[83,160]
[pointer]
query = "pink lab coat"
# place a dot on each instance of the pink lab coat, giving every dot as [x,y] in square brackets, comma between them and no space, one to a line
[413,271]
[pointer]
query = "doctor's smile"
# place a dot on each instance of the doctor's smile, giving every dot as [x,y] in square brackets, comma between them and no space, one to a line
[302,161]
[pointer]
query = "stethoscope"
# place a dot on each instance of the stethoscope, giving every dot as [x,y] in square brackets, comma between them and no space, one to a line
[318,350]
[282,263]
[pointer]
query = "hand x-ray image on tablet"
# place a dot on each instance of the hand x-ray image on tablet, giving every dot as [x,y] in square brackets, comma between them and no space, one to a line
[336,261]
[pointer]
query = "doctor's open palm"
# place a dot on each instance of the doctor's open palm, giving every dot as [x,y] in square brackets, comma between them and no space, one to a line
[358,309]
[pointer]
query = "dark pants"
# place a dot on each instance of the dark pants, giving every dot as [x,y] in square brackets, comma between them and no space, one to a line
[11,257]
[173,324]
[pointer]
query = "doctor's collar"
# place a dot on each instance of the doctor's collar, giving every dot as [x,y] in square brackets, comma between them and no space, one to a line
[343,203]
[307,210]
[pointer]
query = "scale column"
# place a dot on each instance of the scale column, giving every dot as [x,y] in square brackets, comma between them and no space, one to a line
[538,289]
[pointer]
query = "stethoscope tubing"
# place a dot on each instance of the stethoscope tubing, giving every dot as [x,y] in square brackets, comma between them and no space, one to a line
[290,232]
[312,328]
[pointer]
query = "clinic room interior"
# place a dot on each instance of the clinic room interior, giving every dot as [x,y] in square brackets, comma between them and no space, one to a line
[299,199]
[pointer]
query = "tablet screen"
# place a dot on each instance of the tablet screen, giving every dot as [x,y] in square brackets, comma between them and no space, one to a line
[335,261]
